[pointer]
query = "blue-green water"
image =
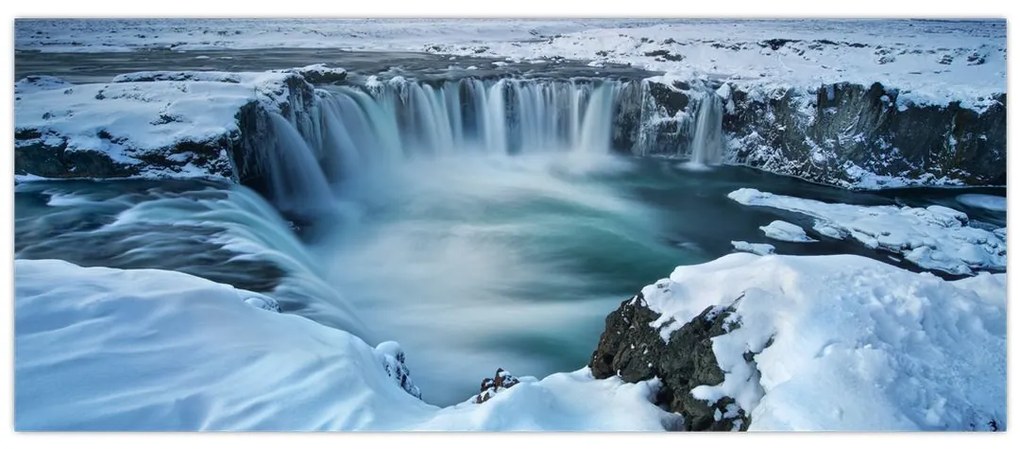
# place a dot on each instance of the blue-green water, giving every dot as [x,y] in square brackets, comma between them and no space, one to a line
[471,263]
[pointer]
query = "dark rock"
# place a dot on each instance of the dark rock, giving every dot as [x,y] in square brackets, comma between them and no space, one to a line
[664,55]
[846,125]
[490,387]
[633,349]
[776,44]
[627,117]
[671,99]
[322,74]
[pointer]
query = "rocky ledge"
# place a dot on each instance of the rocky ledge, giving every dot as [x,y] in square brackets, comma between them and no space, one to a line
[750,342]
[158,124]
[631,347]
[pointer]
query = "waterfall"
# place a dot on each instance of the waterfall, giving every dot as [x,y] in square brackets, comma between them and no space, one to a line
[352,130]
[706,145]
[507,116]
[297,182]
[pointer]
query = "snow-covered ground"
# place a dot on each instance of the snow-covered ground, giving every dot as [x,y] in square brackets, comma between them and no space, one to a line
[143,114]
[847,343]
[909,351]
[929,61]
[936,237]
[94,351]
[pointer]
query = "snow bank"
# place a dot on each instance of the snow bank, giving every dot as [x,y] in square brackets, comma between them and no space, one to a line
[931,62]
[848,343]
[935,237]
[94,351]
[786,232]
[756,248]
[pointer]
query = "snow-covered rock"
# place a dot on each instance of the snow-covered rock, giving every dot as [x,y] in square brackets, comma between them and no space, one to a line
[95,352]
[150,124]
[760,249]
[935,237]
[817,343]
[867,136]
[785,231]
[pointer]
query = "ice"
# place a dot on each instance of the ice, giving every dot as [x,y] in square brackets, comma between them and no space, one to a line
[990,202]
[756,248]
[936,237]
[786,232]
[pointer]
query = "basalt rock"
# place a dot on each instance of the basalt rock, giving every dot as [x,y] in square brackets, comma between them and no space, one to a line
[842,134]
[632,348]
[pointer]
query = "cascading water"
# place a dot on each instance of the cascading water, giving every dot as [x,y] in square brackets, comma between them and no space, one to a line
[384,122]
[706,145]
[297,183]
[453,209]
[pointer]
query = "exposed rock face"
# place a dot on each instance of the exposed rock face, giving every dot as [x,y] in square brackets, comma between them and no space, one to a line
[490,387]
[632,348]
[50,158]
[846,135]
[852,135]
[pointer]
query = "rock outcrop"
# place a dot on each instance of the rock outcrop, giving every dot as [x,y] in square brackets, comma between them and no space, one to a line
[149,124]
[846,135]
[632,348]
[490,387]
[852,135]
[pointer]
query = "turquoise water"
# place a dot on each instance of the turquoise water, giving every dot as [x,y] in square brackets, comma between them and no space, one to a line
[471,263]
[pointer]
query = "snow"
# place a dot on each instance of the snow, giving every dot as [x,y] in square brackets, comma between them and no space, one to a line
[786,232]
[936,237]
[141,113]
[756,248]
[95,352]
[929,61]
[762,55]
[989,202]
[848,343]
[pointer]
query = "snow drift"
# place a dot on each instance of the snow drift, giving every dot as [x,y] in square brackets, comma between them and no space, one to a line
[837,343]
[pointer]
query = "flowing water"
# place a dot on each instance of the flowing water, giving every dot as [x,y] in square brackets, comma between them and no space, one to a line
[482,223]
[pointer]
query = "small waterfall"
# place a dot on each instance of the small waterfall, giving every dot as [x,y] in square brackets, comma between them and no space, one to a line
[297,182]
[706,145]
[597,126]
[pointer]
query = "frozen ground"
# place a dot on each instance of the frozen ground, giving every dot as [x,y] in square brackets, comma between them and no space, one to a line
[847,343]
[929,61]
[936,237]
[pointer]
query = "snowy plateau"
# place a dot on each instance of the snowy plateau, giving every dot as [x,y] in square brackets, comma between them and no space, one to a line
[505,136]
